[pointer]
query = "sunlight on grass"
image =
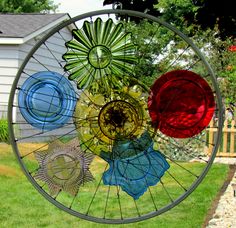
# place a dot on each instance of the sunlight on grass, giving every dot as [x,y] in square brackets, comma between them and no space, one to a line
[22,206]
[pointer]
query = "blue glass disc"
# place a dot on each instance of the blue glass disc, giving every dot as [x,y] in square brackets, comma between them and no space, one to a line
[47,100]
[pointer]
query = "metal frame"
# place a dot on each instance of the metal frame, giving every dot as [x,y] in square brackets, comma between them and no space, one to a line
[14,140]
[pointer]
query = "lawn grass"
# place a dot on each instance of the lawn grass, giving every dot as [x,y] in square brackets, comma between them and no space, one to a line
[23,206]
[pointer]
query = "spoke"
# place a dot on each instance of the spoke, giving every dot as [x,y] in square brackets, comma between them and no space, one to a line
[148,187]
[192,65]
[180,166]
[176,59]
[55,198]
[168,194]
[34,171]
[40,63]
[136,206]
[164,48]
[31,136]
[99,183]
[107,197]
[108,194]
[177,181]
[170,175]
[118,197]
[52,54]
[46,95]
[48,112]
[73,200]
[48,143]
[59,114]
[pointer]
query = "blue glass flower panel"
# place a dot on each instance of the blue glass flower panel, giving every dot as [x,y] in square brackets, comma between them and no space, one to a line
[135,174]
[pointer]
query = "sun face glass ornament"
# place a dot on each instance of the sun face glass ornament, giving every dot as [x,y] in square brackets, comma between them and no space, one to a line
[99,49]
[64,167]
[181,104]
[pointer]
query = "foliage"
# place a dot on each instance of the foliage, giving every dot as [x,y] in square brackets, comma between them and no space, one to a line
[27,6]
[158,47]
[180,13]
[206,14]
[146,6]
[4,136]
[187,14]
[222,58]
[213,13]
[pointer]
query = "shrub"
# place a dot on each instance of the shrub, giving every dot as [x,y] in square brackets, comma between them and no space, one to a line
[4,135]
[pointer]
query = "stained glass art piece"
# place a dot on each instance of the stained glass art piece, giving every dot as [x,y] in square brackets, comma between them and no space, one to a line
[99,49]
[64,167]
[181,104]
[43,103]
[136,173]
[118,148]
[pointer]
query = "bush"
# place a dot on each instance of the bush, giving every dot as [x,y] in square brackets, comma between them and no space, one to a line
[4,135]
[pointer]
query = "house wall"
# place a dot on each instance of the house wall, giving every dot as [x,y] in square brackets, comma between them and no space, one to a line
[11,57]
[50,60]
[8,68]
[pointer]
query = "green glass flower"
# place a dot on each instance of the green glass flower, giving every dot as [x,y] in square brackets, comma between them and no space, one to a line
[99,49]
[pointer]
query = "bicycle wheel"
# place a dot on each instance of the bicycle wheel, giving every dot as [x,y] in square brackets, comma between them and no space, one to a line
[113,120]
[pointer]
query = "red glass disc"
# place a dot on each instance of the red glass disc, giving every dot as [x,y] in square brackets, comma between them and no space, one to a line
[181,104]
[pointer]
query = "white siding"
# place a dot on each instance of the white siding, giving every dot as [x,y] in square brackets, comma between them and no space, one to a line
[8,70]
[11,57]
[50,60]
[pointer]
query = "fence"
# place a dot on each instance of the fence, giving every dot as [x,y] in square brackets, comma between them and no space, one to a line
[227,146]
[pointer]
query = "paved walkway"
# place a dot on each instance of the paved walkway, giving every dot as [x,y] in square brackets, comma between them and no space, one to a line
[225,213]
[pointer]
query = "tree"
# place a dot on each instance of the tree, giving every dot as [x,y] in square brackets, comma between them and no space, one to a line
[205,13]
[213,13]
[27,6]
[146,6]
[209,23]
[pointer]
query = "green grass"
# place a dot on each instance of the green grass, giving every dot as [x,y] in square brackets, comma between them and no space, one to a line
[23,206]
[4,136]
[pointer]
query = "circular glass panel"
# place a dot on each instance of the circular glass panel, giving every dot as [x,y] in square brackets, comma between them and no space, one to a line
[118,119]
[100,56]
[47,100]
[181,104]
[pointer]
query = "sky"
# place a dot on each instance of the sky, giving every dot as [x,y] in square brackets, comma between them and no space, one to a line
[77,7]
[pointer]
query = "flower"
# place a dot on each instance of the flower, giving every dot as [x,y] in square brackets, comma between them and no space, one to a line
[64,167]
[232,48]
[98,49]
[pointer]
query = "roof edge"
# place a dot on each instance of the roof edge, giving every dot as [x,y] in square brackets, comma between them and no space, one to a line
[17,40]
